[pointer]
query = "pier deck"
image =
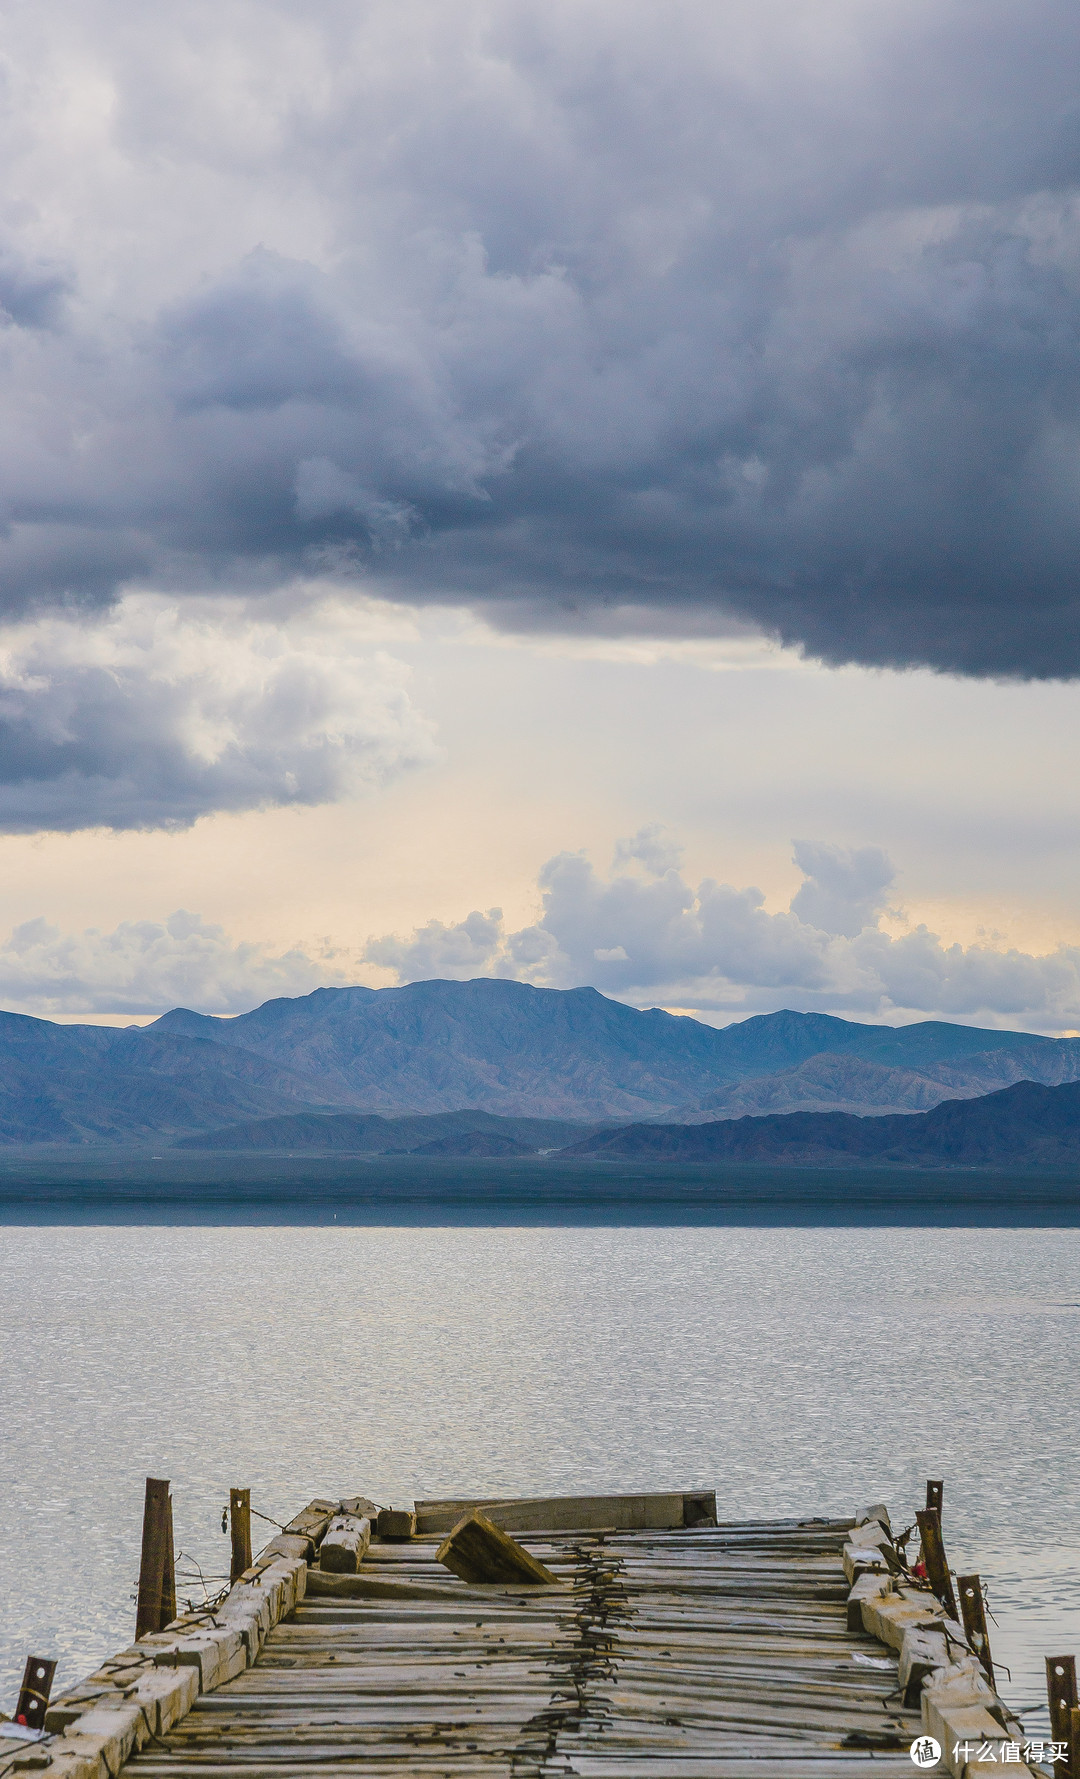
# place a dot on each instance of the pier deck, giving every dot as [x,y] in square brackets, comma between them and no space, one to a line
[713,1652]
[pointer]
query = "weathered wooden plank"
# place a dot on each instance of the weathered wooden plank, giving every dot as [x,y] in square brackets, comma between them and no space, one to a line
[372,1587]
[578,1512]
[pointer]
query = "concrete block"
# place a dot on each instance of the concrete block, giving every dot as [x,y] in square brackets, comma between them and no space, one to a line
[863,1559]
[888,1616]
[922,1653]
[106,1735]
[867,1587]
[218,1655]
[289,1544]
[878,1512]
[166,1695]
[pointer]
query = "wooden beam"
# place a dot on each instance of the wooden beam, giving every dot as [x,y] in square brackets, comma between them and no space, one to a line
[342,1549]
[396,1522]
[481,1553]
[576,1513]
[311,1522]
[934,1493]
[240,1527]
[157,1570]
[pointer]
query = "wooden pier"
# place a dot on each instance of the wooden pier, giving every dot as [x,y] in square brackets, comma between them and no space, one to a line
[662,1645]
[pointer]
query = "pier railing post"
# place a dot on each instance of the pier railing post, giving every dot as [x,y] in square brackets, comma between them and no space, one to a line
[157,1566]
[240,1527]
[1061,1694]
[974,1615]
[34,1692]
[933,1554]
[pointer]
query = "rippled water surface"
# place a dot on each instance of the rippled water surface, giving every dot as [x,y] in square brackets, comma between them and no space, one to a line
[803,1371]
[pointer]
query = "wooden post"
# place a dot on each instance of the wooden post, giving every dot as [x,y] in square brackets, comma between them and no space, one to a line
[933,1554]
[1073,1750]
[240,1526]
[34,1692]
[934,1492]
[157,1568]
[1061,1693]
[974,1612]
[168,1579]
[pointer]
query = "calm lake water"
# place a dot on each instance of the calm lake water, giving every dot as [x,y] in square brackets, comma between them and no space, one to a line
[798,1370]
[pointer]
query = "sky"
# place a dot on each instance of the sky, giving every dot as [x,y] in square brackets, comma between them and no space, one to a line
[587,493]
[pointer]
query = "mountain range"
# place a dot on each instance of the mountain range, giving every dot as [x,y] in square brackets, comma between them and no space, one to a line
[322,1070]
[1026,1125]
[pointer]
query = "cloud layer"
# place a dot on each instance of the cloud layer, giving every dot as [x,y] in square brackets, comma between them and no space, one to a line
[645,935]
[152,716]
[641,934]
[148,966]
[769,312]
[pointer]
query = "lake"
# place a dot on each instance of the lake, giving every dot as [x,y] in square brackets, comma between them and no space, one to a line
[797,1369]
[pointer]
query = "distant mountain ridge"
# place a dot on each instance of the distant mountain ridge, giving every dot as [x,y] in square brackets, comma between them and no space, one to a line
[79,1084]
[500,1048]
[850,1083]
[423,1133]
[1026,1125]
[515,1050]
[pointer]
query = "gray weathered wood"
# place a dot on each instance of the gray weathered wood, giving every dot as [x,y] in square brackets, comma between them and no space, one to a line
[396,1522]
[573,1512]
[311,1522]
[480,1551]
[667,1653]
[343,1546]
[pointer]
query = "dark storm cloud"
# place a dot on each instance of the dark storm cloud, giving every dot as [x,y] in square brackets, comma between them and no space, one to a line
[766,314]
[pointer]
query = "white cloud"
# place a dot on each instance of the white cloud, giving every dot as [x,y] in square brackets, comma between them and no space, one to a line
[650,849]
[454,952]
[845,890]
[715,949]
[155,713]
[149,966]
